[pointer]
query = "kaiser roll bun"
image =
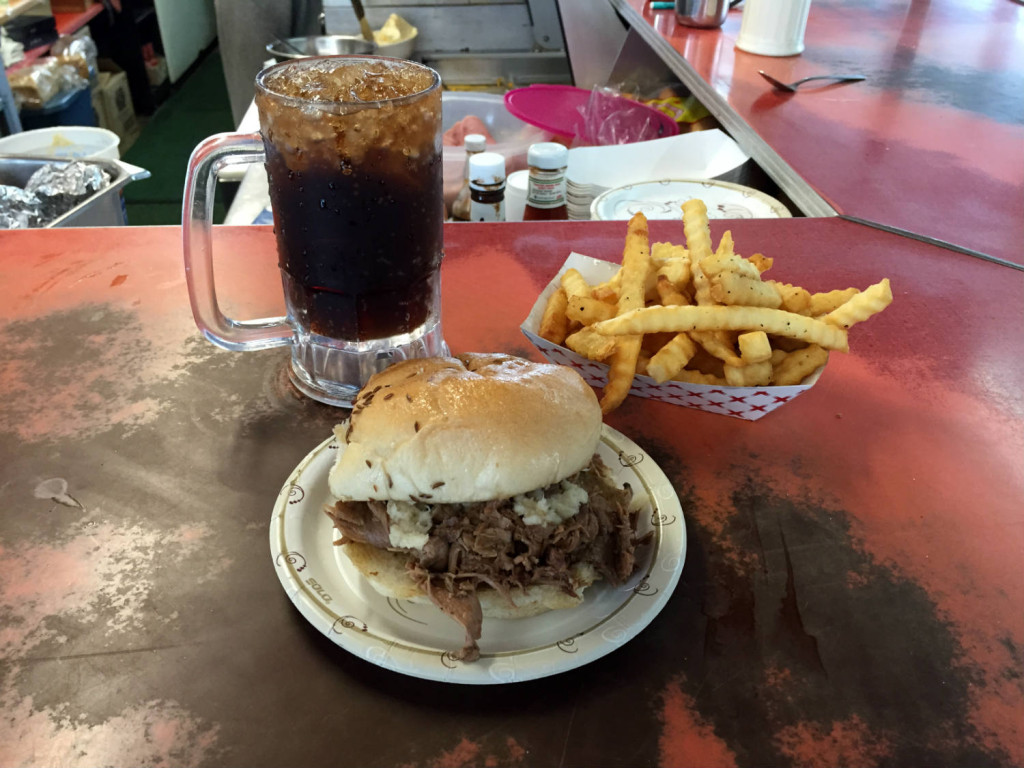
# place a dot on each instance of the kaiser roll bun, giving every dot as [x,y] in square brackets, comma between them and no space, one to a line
[466,429]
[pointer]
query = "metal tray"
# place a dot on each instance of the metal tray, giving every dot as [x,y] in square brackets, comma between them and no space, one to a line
[104,208]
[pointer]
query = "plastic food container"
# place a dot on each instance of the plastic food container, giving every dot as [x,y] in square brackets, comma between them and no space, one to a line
[513,137]
[64,142]
[748,403]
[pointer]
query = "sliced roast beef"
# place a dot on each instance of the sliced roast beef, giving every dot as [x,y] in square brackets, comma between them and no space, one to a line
[463,605]
[362,521]
[487,544]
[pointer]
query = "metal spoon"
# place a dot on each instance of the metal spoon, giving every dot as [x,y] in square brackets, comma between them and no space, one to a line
[791,87]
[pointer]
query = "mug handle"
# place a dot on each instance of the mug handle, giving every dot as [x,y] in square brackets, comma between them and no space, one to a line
[206,162]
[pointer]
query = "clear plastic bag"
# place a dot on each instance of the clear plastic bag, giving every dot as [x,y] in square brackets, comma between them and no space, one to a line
[614,116]
[35,85]
[80,52]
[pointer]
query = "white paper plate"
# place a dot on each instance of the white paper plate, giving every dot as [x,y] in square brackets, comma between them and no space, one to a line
[417,640]
[663,200]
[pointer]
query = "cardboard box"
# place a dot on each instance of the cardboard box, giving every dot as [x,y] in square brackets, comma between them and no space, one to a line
[115,110]
[749,403]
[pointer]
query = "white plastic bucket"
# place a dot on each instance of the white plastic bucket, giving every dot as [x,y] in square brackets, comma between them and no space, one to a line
[63,141]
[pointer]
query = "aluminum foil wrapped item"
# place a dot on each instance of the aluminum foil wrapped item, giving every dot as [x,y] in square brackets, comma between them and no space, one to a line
[62,186]
[19,209]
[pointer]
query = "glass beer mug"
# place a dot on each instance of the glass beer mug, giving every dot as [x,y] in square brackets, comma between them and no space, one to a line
[352,146]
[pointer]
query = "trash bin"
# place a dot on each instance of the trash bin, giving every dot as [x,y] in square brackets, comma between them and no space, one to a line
[71,108]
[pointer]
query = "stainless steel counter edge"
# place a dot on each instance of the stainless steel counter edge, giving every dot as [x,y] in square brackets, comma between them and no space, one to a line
[799,191]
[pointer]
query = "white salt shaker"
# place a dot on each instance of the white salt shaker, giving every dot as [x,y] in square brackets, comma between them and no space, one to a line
[773,27]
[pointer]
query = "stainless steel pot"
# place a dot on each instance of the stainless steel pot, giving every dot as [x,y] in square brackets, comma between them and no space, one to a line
[701,13]
[318,45]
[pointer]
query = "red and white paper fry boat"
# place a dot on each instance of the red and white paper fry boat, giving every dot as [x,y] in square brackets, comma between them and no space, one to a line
[750,403]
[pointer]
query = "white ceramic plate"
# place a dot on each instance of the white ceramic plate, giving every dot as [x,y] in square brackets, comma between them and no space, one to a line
[662,200]
[418,639]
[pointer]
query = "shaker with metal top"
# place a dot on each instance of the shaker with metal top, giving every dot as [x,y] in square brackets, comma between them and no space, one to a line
[701,13]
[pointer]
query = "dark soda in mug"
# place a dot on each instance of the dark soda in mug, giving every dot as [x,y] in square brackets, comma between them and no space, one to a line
[355,170]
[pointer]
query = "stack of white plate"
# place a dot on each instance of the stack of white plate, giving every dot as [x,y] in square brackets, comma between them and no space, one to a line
[578,198]
[663,199]
[595,170]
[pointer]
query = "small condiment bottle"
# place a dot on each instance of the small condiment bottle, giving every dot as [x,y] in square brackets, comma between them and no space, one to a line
[545,193]
[487,187]
[474,143]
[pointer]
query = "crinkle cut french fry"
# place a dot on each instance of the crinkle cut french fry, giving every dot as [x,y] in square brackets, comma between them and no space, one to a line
[701,286]
[761,262]
[823,303]
[669,294]
[642,361]
[574,284]
[609,289]
[621,369]
[636,262]
[797,366]
[794,298]
[734,288]
[696,231]
[662,252]
[586,311]
[753,375]
[679,319]
[754,347]
[676,270]
[726,260]
[717,344]
[671,358]
[590,344]
[696,377]
[862,306]
[554,325]
[725,245]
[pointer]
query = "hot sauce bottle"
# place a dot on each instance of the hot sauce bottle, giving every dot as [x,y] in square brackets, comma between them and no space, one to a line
[475,143]
[545,193]
[487,187]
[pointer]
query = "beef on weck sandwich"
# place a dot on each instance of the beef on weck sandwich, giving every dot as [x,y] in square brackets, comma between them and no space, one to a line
[473,483]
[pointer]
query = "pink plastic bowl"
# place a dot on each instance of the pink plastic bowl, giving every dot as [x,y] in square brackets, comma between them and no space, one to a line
[593,117]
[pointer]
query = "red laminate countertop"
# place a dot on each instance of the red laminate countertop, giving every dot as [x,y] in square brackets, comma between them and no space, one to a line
[932,142]
[852,592]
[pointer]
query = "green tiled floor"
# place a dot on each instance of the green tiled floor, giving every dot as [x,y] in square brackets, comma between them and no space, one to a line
[197,108]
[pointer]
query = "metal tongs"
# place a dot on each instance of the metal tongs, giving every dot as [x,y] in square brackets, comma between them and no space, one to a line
[364,25]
